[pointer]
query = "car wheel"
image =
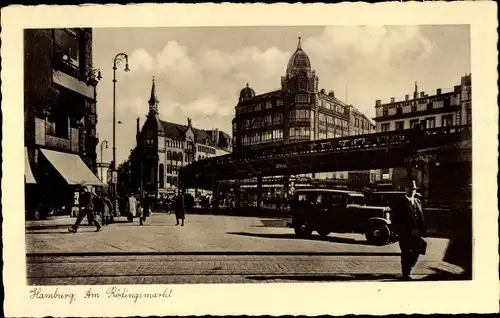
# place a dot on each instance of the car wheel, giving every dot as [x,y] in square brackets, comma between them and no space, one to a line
[302,230]
[378,234]
[323,233]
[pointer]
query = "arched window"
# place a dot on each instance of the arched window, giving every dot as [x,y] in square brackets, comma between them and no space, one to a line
[169,155]
[162,176]
[180,157]
[174,156]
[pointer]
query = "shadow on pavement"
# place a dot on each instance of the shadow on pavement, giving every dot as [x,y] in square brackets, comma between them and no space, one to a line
[47,227]
[358,277]
[329,278]
[332,239]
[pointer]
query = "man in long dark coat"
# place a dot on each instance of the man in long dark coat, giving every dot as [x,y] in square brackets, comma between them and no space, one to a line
[410,227]
[86,209]
[179,208]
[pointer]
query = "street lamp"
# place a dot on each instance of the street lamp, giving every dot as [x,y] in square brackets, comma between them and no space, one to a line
[104,142]
[118,58]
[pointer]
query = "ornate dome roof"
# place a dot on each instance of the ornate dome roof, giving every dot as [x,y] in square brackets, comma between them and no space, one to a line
[299,59]
[247,93]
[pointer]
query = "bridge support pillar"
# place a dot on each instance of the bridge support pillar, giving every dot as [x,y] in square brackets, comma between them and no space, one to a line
[259,192]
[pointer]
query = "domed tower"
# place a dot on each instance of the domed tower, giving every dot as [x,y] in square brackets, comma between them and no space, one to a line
[246,94]
[299,74]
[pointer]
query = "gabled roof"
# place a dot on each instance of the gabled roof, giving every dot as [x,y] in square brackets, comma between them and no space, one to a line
[177,131]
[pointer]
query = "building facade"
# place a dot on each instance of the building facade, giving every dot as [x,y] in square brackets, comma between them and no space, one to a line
[60,116]
[439,109]
[164,147]
[299,111]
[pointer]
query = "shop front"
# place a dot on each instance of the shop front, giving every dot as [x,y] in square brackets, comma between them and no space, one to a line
[60,178]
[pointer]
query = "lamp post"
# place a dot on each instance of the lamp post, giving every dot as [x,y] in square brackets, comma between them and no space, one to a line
[118,58]
[104,142]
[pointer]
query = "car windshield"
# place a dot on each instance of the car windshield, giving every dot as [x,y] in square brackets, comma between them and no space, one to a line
[356,200]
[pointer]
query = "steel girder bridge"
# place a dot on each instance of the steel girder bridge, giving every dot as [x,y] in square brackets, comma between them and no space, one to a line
[362,152]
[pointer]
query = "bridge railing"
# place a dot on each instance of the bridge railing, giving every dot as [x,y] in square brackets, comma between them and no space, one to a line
[367,141]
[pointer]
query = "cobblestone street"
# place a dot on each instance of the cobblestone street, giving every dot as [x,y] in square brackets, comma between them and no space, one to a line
[210,249]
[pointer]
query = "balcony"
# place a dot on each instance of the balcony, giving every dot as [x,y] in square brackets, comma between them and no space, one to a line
[300,121]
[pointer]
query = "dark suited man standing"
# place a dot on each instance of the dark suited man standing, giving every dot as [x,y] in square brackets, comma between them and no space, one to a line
[411,229]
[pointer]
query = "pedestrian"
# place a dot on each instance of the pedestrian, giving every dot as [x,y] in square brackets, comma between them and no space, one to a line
[132,207]
[146,208]
[86,209]
[410,227]
[107,210]
[179,208]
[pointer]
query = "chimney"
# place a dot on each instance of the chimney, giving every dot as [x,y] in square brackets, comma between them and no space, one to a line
[407,97]
[331,93]
[393,99]
[323,91]
[378,102]
[422,94]
[438,91]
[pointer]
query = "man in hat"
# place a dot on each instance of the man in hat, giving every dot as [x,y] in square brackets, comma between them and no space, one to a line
[86,209]
[409,222]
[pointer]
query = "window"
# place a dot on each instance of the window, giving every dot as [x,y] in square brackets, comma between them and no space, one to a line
[430,122]
[279,102]
[399,110]
[413,122]
[469,114]
[385,111]
[302,81]
[447,120]
[257,107]
[429,106]
[414,107]
[58,126]
[400,125]
[67,42]
[385,127]
[161,173]
[301,98]
[268,104]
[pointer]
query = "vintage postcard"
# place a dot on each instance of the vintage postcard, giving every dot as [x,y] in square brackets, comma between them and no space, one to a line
[250,159]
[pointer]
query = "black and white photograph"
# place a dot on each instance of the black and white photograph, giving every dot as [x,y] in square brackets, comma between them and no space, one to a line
[248,154]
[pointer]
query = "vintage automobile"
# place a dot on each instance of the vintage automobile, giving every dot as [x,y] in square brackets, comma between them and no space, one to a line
[341,211]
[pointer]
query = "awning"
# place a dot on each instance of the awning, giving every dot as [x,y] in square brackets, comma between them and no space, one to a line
[28,174]
[71,167]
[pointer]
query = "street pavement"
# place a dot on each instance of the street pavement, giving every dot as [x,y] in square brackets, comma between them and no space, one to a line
[211,249]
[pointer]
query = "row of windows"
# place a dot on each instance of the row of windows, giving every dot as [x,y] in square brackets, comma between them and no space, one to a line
[429,122]
[331,106]
[266,105]
[263,137]
[360,123]
[206,149]
[175,144]
[414,108]
[265,121]
[300,131]
[174,156]
[301,98]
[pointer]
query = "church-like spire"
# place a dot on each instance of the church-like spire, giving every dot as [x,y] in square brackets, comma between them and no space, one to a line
[153,100]
[299,47]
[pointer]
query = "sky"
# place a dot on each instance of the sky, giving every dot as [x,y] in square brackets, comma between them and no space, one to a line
[199,71]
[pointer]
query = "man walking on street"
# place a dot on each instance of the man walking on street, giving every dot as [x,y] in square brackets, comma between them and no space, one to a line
[86,209]
[179,207]
[411,229]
